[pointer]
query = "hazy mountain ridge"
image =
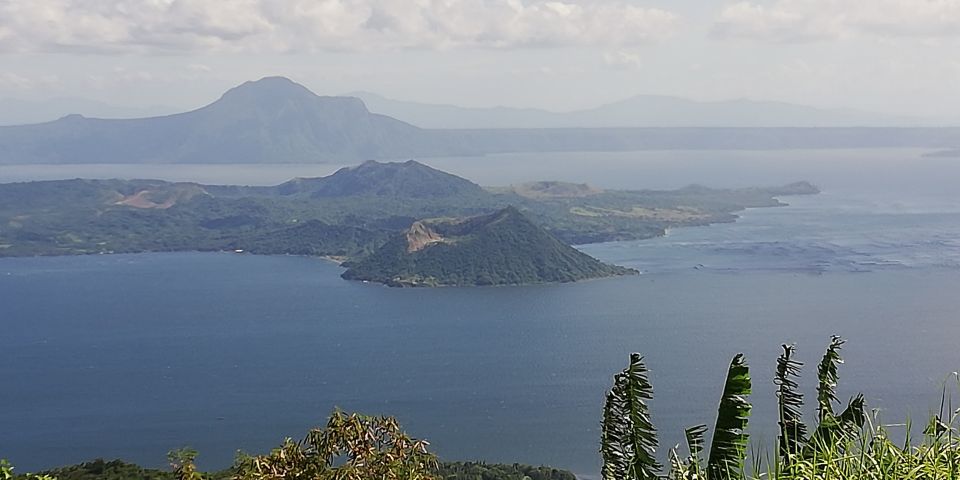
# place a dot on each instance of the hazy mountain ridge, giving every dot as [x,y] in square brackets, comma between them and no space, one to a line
[269,120]
[639,111]
[274,120]
[15,111]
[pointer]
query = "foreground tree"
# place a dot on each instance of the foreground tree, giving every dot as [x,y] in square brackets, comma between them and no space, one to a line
[832,430]
[350,447]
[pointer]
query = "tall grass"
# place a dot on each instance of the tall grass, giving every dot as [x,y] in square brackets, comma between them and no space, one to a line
[872,454]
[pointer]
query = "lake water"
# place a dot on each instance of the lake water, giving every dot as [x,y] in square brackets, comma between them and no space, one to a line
[132,355]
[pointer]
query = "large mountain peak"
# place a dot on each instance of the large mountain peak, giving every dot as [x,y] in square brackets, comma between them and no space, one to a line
[275,88]
[281,93]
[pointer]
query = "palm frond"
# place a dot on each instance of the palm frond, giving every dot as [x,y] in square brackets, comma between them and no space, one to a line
[694,436]
[852,418]
[628,439]
[790,402]
[729,447]
[827,376]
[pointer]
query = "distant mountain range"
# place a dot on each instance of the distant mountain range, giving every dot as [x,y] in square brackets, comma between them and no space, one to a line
[21,112]
[270,120]
[274,120]
[638,111]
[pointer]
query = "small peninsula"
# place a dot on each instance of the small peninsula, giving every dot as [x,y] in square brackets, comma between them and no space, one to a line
[502,248]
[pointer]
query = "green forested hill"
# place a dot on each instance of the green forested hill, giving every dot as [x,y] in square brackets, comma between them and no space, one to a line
[503,248]
[409,179]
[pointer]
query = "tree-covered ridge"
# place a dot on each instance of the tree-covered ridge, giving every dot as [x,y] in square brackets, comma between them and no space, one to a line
[409,179]
[503,248]
[119,470]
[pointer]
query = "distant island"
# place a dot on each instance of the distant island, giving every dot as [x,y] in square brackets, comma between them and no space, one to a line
[402,224]
[276,120]
[953,153]
[502,248]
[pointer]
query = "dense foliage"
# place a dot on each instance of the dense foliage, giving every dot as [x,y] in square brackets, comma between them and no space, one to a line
[119,470]
[485,471]
[349,447]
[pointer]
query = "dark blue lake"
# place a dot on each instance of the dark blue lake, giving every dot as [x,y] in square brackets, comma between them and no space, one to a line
[130,356]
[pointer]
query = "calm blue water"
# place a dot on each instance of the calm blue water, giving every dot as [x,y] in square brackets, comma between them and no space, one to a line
[132,355]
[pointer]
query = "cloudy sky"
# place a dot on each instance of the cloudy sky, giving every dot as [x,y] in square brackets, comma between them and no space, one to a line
[895,56]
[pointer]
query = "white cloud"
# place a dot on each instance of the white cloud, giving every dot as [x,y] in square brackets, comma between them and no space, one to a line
[623,60]
[810,20]
[184,26]
[15,81]
[199,68]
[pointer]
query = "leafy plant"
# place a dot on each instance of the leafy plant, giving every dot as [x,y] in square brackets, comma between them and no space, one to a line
[6,473]
[628,441]
[832,427]
[728,451]
[692,467]
[628,438]
[182,462]
[793,432]
[350,447]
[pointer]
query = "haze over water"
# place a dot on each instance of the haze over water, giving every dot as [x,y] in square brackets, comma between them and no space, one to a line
[132,355]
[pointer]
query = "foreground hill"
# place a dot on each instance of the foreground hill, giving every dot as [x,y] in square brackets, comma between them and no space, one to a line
[503,248]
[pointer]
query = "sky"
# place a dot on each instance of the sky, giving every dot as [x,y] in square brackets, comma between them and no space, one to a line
[887,56]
